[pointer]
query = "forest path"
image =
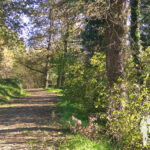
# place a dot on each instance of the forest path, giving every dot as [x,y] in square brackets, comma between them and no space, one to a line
[31,123]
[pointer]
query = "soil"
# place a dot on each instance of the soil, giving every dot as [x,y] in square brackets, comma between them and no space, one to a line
[31,123]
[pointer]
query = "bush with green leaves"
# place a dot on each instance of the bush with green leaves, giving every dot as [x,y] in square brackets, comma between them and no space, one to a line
[86,84]
[125,125]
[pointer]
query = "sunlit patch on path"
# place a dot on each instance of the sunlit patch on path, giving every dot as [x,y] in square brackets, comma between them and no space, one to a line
[30,123]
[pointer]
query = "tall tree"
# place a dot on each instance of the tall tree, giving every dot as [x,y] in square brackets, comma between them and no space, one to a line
[116,47]
[49,48]
[69,17]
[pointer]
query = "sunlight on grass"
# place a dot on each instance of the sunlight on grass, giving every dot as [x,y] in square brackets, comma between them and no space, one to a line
[54,90]
[68,109]
[10,88]
[77,142]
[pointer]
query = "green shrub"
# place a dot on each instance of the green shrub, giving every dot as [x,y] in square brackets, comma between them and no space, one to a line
[87,84]
[124,127]
[86,89]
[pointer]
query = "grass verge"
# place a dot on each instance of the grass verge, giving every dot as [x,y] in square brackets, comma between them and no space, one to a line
[10,88]
[77,142]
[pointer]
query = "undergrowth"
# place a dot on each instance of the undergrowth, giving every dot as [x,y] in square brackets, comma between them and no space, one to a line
[76,141]
[67,109]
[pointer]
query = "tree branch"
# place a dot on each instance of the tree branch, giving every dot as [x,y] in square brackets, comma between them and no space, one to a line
[29,67]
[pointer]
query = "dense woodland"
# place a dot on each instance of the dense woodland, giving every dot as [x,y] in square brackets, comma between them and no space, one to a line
[96,51]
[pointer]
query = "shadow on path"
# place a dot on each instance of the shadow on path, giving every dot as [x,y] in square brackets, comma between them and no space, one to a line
[33,118]
[33,129]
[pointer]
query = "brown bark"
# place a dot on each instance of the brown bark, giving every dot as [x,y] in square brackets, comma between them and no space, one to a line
[59,81]
[66,36]
[116,47]
[46,74]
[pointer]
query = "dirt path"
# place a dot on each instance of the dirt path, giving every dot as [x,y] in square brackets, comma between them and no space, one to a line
[30,123]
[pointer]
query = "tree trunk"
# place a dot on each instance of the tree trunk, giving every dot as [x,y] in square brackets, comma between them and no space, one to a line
[66,36]
[58,81]
[116,47]
[135,32]
[135,36]
[46,74]
[59,76]
[47,65]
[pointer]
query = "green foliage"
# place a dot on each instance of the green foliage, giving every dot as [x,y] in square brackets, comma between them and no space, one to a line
[10,88]
[29,67]
[134,29]
[86,91]
[10,39]
[125,124]
[87,84]
[145,58]
[77,142]
[61,63]
[67,109]
[93,36]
